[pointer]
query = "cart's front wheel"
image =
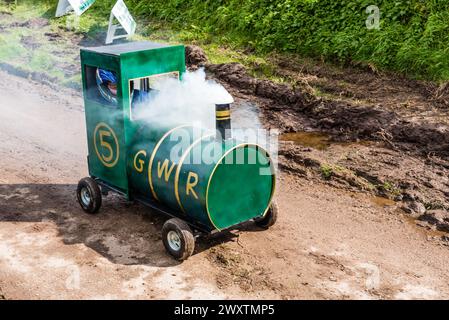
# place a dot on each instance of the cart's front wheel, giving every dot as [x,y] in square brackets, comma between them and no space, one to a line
[178,239]
[270,217]
[89,195]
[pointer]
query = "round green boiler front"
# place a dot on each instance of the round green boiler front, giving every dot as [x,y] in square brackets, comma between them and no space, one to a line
[217,184]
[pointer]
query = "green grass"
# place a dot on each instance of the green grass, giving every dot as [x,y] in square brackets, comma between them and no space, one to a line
[217,50]
[327,171]
[390,187]
[413,37]
[12,49]
[93,24]
[45,57]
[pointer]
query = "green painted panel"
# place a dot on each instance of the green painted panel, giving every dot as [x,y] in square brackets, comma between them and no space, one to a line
[194,176]
[240,191]
[106,144]
[178,175]
[157,61]
[139,153]
[109,127]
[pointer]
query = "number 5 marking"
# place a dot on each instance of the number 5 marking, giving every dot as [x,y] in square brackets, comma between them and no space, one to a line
[106,145]
[109,159]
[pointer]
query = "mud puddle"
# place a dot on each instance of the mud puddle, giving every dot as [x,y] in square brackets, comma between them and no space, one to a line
[430,231]
[320,140]
[383,202]
[316,140]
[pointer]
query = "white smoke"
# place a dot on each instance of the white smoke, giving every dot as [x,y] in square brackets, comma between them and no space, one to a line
[170,103]
[190,101]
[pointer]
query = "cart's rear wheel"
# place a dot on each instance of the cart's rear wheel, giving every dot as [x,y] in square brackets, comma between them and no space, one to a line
[178,239]
[270,217]
[89,195]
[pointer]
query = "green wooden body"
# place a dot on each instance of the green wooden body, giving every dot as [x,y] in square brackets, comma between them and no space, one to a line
[128,61]
[191,171]
[156,162]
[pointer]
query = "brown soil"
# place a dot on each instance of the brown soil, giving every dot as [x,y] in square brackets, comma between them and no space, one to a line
[367,131]
[336,237]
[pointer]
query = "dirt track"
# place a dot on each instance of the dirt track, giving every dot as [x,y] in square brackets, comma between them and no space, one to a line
[329,243]
[349,136]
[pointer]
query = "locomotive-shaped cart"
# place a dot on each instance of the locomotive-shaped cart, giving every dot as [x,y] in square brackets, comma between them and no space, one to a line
[133,156]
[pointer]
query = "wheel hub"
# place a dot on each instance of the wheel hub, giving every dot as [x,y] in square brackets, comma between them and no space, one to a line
[85,197]
[174,241]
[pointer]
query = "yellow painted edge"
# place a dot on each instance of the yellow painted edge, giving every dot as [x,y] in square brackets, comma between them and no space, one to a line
[219,163]
[178,169]
[153,154]
[223,113]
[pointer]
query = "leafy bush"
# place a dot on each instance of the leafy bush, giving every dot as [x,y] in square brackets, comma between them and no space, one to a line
[413,37]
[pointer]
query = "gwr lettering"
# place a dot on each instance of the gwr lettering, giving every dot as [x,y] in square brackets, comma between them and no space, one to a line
[192,181]
[165,169]
[139,167]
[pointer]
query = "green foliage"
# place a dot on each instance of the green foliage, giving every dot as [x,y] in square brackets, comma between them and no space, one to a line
[413,37]
[390,188]
[326,171]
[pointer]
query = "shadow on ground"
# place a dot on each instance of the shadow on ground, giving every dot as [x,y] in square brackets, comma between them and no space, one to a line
[123,232]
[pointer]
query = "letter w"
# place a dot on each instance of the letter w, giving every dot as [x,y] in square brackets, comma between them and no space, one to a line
[164,169]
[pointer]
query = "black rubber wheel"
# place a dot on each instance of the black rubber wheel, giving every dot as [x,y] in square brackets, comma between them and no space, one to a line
[178,239]
[89,195]
[270,217]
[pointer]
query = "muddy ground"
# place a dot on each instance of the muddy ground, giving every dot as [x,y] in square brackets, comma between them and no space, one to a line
[363,195]
[358,130]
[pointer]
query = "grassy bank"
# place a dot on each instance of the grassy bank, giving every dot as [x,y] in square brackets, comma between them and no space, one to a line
[36,46]
[413,37]
[52,49]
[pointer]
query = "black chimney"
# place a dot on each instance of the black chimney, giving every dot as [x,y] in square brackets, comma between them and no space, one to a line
[223,121]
